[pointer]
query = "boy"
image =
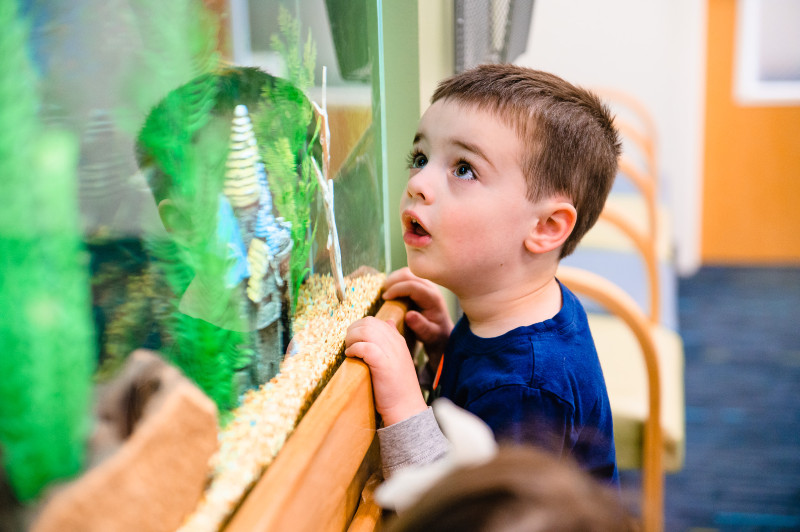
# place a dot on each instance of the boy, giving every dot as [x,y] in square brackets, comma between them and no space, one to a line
[509,169]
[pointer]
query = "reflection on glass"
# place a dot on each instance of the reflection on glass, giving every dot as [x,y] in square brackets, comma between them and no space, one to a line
[201,177]
[107,66]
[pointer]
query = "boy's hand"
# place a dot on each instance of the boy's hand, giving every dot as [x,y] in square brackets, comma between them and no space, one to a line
[394,378]
[431,324]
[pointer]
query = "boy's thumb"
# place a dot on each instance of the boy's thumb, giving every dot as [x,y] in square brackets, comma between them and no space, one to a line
[417,323]
[415,320]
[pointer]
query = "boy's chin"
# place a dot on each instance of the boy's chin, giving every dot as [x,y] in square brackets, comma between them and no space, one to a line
[417,265]
[422,269]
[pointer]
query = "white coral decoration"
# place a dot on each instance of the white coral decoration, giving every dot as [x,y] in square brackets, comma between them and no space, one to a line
[326,189]
[241,181]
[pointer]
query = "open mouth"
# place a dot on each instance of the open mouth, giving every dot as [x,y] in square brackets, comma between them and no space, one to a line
[414,233]
[415,227]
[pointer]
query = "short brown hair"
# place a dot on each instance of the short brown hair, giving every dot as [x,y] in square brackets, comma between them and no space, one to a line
[522,488]
[570,143]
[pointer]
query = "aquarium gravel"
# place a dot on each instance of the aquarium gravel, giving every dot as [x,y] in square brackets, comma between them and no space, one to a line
[268,415]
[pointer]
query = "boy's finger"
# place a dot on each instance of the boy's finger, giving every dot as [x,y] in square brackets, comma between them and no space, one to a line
[364,323]
[366,351]
[403,274]
[425,329]
[358,324]
[370,329]
[355,350]
[421,293]
[419,324]
[357,332]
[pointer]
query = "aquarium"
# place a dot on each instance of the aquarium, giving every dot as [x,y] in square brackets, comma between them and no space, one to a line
[202,180]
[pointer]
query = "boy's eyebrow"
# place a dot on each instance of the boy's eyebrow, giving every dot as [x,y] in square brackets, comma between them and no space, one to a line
[461,144]
[474,149]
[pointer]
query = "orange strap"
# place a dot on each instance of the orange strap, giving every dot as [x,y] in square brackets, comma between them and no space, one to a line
[438,372]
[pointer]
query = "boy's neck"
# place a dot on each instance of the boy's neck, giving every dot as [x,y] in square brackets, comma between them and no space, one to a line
[536,299]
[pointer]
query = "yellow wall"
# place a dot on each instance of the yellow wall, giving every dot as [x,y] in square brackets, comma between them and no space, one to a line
[751,195]
[436,54]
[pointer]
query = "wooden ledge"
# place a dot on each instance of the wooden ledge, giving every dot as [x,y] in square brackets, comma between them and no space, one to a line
[316,481]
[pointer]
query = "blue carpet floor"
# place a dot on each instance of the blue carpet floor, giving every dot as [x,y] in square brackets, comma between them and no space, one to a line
[741,328]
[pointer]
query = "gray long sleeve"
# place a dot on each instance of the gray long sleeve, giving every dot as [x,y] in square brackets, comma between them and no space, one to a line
[413,441]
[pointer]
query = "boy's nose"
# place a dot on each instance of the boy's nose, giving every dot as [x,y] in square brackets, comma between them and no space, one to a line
[419,186]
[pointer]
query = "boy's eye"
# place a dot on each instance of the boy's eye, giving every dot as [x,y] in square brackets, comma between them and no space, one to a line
[464,171]
[417,160]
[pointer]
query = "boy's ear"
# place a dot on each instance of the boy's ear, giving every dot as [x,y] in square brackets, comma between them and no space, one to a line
[171,216]
[552,227]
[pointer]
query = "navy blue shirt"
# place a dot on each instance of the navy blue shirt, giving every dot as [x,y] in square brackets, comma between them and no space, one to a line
[541,384]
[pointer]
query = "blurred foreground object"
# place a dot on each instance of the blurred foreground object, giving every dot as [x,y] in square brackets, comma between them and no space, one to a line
[154,436]
[478,486]
[45,321]
[521,488]
[472,443]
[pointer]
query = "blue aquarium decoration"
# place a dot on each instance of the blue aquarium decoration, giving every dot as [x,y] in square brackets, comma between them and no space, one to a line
[268,242]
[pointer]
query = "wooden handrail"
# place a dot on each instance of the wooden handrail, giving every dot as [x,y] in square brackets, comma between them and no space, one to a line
[642,141]
[316,481]
[648,252]
[625,99]
[647,186]
[369,513]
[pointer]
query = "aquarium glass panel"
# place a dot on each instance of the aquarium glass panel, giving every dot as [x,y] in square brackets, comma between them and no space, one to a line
[200,180]
[225,152]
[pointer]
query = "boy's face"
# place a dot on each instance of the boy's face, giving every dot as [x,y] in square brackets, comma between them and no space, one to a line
[465,213]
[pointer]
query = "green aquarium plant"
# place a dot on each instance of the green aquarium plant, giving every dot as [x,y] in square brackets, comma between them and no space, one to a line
[185,170]
[46,340]
[282,126]
[182,148]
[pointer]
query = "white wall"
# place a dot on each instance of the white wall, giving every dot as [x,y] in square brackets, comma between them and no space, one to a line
[655,50]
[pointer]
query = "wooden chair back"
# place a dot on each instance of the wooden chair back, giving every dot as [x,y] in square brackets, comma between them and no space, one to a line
[620,304]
